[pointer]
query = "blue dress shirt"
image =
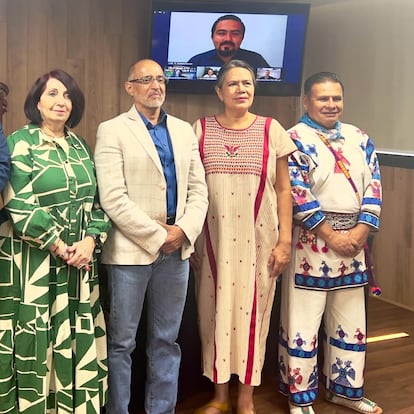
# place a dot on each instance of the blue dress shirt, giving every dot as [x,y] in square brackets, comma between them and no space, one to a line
[162,141]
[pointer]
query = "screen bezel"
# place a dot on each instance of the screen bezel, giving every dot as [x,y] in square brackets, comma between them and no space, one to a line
[294,52]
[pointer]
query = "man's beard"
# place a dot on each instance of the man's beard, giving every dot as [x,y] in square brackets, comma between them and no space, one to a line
[228,50]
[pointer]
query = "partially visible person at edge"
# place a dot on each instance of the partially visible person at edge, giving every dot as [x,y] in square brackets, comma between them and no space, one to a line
[4,91]
[4,152]
[153,187]
[4,160]
[53,343]
[227,34]
[336,188]
[246,242]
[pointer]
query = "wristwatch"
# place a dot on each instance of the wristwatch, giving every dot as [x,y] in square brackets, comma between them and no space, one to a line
[96,238]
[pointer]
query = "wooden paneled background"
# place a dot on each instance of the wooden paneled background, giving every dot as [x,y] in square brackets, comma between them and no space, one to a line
[94,40]
[393,247]
[97,40]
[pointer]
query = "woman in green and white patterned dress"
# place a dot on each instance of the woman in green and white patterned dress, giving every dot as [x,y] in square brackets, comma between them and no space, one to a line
[52,329]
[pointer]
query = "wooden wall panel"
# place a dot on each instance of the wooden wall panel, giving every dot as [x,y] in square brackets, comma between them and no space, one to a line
[3,39]
[37,34]
[78,21]
[17,62]
[95,41]
[393,249]
[93,45]
[84,37]
[192,107]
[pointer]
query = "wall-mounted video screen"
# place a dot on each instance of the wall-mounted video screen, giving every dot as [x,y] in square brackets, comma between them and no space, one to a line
[193,40]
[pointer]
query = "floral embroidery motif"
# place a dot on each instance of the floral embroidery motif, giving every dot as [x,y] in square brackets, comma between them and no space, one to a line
[299,341]
[343,268]
[294,377]
[306,266]
[341,333]
[359,336]
[231,150]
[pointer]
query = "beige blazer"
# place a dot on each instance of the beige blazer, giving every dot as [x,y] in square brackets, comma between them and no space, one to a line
[132,188]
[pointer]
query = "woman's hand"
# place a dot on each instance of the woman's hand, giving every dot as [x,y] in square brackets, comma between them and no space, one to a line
[279,259]
[59,249]
[80,253]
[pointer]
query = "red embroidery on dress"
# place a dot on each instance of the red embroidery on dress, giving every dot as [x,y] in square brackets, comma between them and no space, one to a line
[228,151]
[231,150]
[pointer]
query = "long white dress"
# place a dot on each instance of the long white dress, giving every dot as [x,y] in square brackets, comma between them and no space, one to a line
[234,289]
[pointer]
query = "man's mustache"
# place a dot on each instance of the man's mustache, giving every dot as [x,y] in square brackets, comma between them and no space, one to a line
[227,43]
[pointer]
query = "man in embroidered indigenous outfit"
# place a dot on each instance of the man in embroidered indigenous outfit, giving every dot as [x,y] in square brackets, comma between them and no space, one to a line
[52,329]
[337,200]
[247,236]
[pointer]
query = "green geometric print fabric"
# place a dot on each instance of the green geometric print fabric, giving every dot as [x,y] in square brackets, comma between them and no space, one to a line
[52,329]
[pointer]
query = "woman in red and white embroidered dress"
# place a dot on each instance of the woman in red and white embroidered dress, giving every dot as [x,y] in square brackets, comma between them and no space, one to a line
[246,242]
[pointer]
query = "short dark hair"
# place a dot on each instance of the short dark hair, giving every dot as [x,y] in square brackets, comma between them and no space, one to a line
[321,77]
[76,96]
[235,63]
[228,17]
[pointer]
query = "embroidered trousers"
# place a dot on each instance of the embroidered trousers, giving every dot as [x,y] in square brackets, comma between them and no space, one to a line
[342,315]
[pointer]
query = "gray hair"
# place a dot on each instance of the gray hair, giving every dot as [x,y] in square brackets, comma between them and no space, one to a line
[230,65]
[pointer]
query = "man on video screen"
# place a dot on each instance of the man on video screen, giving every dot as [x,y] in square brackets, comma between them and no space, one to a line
[227,34]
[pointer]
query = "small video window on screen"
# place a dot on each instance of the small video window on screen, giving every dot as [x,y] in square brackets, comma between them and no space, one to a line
[269,74]
[220,37]
[207,72]
[180,71]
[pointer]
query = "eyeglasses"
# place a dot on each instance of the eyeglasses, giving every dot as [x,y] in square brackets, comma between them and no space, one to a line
[146,80]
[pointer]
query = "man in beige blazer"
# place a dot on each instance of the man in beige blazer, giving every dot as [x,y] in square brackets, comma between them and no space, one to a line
[152,186]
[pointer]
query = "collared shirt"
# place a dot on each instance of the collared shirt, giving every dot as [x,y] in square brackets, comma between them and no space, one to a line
[319,185]
[211,58]
[162,141]
[331,134]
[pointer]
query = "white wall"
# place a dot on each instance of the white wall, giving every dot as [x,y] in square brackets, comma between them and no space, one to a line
[370,44]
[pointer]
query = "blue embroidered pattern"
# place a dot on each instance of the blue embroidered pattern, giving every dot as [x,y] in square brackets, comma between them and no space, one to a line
[346,346]
[347,392]
[304,397]
[369,218]
[331,283]
[306,206]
